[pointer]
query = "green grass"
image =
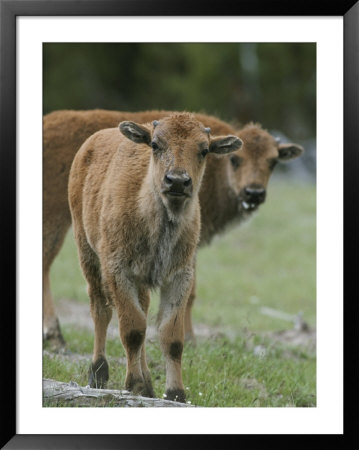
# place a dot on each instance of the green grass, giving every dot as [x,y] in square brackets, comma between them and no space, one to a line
[269,261]
[218,372]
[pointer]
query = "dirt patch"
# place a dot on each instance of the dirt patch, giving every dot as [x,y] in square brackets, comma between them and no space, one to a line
[78,314]
[296,338]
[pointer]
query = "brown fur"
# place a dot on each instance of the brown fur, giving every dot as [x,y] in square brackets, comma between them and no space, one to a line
[136,219]
[221,194]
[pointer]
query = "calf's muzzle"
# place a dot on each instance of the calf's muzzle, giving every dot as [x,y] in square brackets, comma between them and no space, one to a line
[252,195]
[177,183]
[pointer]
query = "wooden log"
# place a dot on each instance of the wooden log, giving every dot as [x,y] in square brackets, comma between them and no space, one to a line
[56,393]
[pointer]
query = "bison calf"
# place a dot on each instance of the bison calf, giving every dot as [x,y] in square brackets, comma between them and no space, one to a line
[136,218]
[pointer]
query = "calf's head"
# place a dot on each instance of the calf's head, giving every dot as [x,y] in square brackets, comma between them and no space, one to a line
[250,169]
[179,145]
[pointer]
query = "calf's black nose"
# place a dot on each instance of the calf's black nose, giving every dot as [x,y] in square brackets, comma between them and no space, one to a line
[177,180]
[254,194]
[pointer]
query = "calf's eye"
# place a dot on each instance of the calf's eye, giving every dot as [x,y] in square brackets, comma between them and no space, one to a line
[235,161]
[154,146]
[204,152]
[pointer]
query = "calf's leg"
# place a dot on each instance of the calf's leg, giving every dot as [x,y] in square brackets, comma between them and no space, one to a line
[132,322]
[101,311]
[131,307]
[55,229]
[171,332]
[51,327]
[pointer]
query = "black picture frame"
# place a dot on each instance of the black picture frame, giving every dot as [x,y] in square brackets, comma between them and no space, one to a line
[9,10]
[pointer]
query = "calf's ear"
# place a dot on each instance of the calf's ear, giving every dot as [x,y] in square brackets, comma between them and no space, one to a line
[289,151]
[137,133]
[225,144]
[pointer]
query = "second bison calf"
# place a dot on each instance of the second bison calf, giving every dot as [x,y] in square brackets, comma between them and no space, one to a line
[136,217]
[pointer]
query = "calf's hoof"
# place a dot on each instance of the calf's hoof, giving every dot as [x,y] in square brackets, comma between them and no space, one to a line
[149,390]
[176,395]
[98,374]
[139,387]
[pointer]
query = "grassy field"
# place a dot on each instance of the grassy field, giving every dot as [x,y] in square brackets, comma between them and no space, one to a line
[269,262]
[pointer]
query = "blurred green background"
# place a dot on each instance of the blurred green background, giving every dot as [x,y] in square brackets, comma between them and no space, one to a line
[272,83]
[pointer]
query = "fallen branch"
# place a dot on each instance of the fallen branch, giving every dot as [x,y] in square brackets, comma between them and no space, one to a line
[56,393]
